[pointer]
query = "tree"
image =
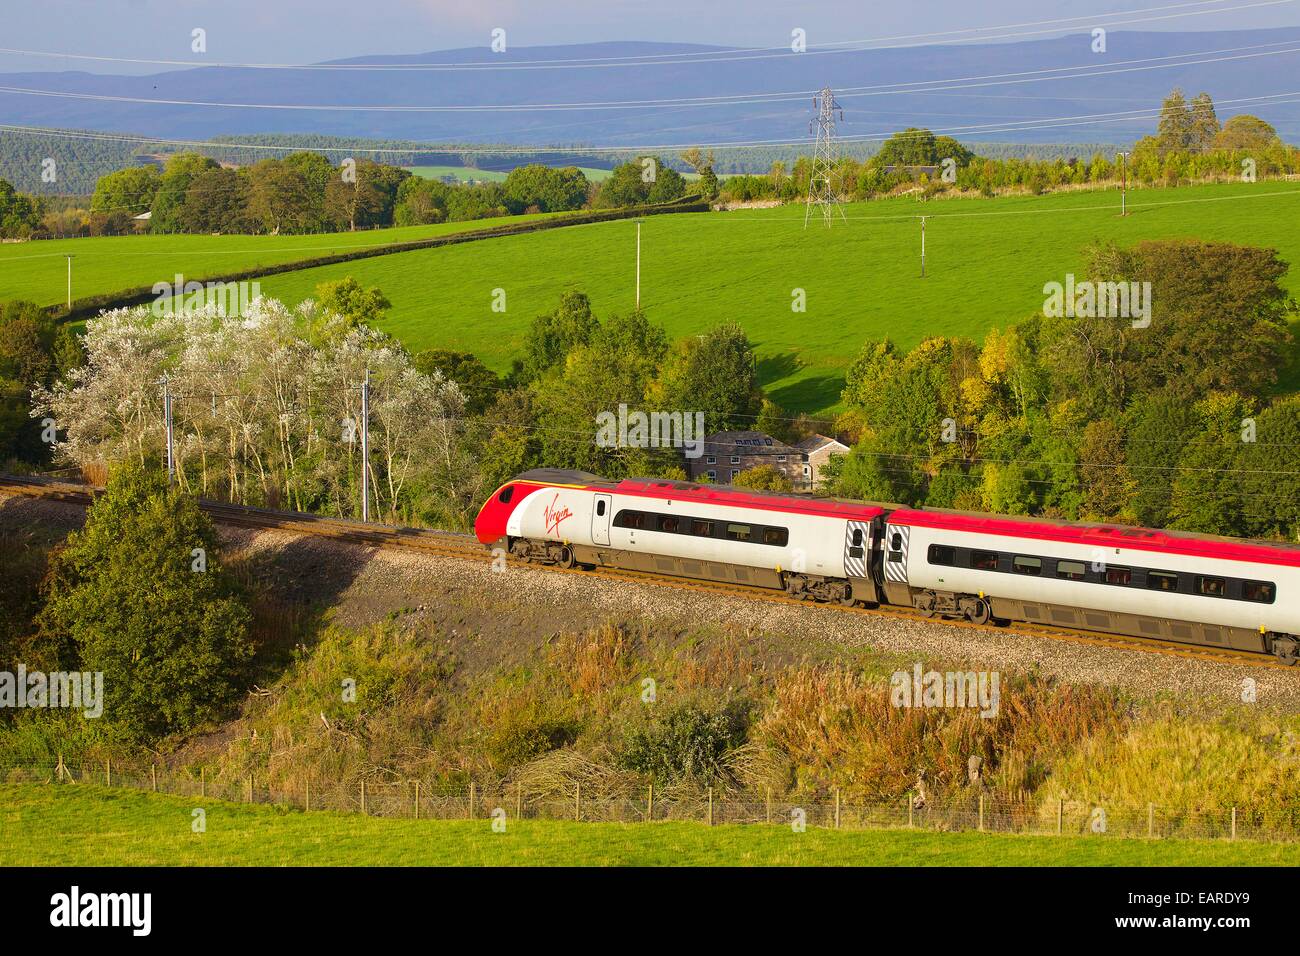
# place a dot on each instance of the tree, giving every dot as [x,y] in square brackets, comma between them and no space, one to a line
[553,335]
[20,215]
[169,200]
[715,373]
[646,179]
[1244,131]
[910,147]
[478,382]
[34,350]
[216,202]
[1205,124]
[129,191]
[347,298]
[143,595]
[547,189]
[281,198]
[763,478]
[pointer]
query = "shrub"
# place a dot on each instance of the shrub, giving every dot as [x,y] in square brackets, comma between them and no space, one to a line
[689,743]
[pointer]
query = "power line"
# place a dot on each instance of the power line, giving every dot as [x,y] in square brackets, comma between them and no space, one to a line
[679,58]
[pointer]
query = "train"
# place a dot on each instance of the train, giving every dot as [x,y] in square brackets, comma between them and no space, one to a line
[1177,586]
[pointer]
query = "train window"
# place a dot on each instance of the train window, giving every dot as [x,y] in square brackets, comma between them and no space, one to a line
[629,519]
[1162,581]
[600,508]
[506,494]
[668,523]
[1211,587]
[1118,575]
[1071,570]
[857,537]
[1023,565]
[984,560]
[943,555]
[702,528]
[1261,591]
[739,532]
[896,542]
[776,536]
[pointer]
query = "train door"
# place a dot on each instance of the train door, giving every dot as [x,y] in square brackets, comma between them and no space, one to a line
[896,553]
[857,541]
[600,517]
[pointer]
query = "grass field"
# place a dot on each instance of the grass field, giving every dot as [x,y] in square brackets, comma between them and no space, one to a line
[464,173]
[986,263]
[38,271]
[92,826]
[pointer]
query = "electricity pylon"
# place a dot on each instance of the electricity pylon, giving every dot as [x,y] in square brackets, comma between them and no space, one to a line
[821,188]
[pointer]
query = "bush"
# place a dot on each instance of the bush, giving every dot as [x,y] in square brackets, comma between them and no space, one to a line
[689,743]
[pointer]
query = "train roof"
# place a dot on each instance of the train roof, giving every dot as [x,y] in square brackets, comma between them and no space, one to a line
[1103,535]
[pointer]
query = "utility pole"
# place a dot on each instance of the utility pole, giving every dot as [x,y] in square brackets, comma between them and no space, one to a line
[69,258]
[1123,188]
[821,191]
[923,219]
[167,415]
[638,263]
[365,448]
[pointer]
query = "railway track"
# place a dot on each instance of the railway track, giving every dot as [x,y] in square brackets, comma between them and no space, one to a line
[465,547]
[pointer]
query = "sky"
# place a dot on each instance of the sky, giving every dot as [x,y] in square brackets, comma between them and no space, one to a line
[308,31]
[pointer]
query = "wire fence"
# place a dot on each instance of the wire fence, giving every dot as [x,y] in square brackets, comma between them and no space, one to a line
[415,799]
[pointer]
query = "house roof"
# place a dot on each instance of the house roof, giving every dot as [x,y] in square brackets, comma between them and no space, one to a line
[817,442]
[746,443]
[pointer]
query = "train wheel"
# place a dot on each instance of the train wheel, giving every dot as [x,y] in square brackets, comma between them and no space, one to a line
[1286,650]
[979,613]
[566,557]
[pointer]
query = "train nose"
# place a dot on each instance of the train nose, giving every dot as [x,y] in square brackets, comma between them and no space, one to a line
[490,525]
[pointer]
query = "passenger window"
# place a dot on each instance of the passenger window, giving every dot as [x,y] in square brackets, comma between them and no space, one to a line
[506,494]
[984,560]
[629,519]
[896,542]
[943,555]
[1030,566]
[738,532]
[702,528]
[1162,581]
[857,537]
[1211,587]
[600,508]
[1071,570]
[1260,591]
[776,536]
[667,523]
[1118,575]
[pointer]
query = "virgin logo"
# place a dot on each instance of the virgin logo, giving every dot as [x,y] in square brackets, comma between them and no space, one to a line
[555,515]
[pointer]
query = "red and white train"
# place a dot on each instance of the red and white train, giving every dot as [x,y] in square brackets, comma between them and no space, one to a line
[1191,588]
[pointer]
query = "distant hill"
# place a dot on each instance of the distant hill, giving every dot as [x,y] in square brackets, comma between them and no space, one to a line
[978,110]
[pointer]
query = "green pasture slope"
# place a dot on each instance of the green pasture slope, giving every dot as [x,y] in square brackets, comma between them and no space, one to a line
[986,263]
[84,825]
[38,271]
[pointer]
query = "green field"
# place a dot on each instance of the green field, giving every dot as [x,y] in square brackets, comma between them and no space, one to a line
[38,271]
[84,825]
[986,263]
[465,173]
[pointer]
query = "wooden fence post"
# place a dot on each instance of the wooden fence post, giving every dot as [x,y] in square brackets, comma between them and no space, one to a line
[1060,815]
[650,803]
[59,768]
[153,776]
[837,808]
[250,788]
[769,804]
[203,782]
[108,772]
[471,799]
[417,799]
[911,805]
[1234,823]
[363,796]
[981,812]
[519,801]
[307,795]
[710,806]
[1151,820]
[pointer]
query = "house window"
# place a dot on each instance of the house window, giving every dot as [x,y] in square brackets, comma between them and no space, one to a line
[734,473]
[711,460]
[807,471]
[713,475]
[780,457]
[735,459]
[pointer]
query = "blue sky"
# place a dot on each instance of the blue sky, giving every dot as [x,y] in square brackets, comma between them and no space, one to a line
[289,31]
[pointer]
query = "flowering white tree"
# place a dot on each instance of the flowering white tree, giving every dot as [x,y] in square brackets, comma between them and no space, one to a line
[267,410]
